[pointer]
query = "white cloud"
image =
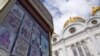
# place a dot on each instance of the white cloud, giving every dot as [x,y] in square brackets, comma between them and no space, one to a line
[63,9]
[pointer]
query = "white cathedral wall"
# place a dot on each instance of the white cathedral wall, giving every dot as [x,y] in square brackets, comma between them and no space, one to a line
[69,51]
[68,42]
[76,38]
[91,35]
[89,22]
[96,38]
[78,27]
[92,43]
[91,47]
[58,47]
[98,42]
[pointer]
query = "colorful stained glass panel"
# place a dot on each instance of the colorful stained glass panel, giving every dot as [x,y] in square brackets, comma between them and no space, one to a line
[21,48]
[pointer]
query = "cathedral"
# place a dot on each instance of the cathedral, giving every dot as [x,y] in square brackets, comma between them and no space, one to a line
[79,37]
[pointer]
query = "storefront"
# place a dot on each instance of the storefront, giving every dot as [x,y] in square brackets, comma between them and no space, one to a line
[24,31]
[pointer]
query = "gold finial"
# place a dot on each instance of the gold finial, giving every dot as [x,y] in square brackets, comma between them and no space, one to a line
[95,9]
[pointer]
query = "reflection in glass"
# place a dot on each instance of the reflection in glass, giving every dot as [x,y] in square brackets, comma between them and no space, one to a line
[44,45]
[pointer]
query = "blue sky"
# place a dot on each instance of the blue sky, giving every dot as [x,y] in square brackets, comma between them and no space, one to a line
[61,10]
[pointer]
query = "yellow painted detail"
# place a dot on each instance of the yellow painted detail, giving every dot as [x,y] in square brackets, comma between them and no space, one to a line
[95,9]
[73,19]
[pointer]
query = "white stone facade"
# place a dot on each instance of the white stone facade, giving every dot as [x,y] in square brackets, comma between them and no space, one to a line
[84,40]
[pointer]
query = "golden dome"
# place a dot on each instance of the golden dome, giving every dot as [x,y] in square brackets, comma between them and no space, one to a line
[95,9]
[74,19]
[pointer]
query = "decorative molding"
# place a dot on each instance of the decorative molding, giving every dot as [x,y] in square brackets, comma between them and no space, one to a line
[42,11]
[79,33]
[97,34]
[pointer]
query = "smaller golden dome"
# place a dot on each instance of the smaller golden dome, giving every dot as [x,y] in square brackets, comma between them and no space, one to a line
[95,9]
[74,19]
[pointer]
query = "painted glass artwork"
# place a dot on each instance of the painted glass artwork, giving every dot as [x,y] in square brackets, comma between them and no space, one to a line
[86,49]
[80,50]
[44,46]
[35,37]
[17,11]
[14,18]
[28,21]
[26,28]
[34,52]
[12,22]
[21,48]
[6,38]
[74,51]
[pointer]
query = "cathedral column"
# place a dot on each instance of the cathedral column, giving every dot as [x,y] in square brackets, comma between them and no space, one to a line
[85,48]
[69,51]
[75,50]
[80,50]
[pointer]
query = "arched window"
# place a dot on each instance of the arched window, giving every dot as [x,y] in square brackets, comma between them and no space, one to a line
[94,22]
[54,39]
[72,30]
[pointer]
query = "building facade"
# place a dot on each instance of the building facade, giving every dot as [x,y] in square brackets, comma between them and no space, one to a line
[79,37]
[25,28]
